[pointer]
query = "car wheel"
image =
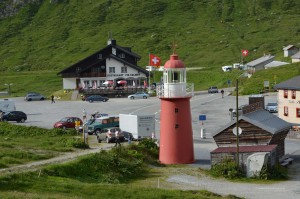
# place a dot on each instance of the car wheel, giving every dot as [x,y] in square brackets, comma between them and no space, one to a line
[98,139]
[22,120]
[104,100]
[97,131]
[145,97]
[4,120]
[132,97]
[90,101]
[107,140]
[29,99]
[42,98]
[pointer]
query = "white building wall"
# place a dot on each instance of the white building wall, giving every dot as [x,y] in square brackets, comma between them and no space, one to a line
[295,60]
[69,83]
[292,105]
[131,72]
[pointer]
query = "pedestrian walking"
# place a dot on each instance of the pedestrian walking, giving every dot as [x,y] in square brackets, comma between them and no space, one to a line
[117,134]
[222,92]
[52,99]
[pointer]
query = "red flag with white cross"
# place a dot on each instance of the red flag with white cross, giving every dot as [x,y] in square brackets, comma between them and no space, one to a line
[245,53]
[154,60]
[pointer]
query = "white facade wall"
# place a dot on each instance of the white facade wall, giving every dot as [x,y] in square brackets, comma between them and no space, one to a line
[295,60]
[69,83]
[292,105]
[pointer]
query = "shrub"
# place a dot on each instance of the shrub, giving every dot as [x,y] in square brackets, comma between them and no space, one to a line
[276,172]
[228,169]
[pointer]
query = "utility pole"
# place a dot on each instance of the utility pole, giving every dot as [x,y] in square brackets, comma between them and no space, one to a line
[237,122]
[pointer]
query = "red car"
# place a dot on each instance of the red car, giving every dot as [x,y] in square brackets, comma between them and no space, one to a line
[67,122]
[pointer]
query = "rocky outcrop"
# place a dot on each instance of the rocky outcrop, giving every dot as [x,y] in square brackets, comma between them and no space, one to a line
[9,8]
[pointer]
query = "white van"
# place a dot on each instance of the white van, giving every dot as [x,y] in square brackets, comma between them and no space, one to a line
[7,105]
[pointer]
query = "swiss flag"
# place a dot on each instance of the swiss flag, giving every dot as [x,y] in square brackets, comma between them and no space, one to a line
[154,60]
[245,53]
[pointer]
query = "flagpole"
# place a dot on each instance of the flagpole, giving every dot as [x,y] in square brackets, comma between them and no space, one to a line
[149,72]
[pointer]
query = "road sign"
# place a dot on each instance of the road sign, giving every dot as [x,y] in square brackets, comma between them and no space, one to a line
[202,117]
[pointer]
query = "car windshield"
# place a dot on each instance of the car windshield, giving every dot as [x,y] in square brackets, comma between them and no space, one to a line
[64,119]
[272,104]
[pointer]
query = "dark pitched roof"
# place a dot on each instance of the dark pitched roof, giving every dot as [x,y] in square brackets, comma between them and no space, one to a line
[245,149]
[126,50]
[262,119]
[290,84]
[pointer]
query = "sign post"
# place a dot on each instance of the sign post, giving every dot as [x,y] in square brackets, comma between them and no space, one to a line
[202,133]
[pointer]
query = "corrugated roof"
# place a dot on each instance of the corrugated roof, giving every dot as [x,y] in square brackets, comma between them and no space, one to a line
[288,47]
[275,64]
[245,149]
[290,84]
[261,60]
[262,119]
[296,56]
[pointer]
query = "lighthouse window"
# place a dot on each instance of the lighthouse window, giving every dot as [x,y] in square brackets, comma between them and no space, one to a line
[176,126]
[175,76]
[176,110]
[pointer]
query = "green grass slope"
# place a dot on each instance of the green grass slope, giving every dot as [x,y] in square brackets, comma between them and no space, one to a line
[45,36]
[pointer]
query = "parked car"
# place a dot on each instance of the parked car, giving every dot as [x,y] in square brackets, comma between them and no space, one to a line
[34,96]
[17,116]
[139,95]
[127,135]
[67,122]
[272,107]
[213,89]
[108,135]
[93,98]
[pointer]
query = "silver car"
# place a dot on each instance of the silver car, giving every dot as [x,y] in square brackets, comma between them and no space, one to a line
[139,95]
[34,96]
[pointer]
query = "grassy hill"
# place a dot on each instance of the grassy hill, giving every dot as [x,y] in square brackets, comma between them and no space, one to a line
[51,35]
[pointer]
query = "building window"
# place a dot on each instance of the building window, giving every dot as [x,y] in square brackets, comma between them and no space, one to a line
[114,51]
[99,56]
[96,70]
[124,69]
[297,112]
[176,126]
[285,93]
[293,94]
[176,110]
[112,70]
[286,111]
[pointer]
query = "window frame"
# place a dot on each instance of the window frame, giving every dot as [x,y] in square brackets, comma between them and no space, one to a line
[298,112]
[112,70]
[286,111]
[293,94]
[124,69]
[285,93]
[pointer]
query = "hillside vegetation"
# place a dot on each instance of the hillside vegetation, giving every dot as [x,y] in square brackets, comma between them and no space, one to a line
[52,35]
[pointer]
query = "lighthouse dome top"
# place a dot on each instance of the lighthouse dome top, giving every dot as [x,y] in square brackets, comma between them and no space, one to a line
[174,62]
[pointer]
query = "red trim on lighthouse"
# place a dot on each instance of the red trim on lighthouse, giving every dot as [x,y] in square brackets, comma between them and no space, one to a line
[174,62]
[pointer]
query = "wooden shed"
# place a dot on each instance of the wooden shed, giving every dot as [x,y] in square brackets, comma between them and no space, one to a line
[259,128]
[221,153]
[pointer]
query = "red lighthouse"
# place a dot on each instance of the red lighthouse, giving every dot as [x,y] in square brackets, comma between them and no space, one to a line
[176,133]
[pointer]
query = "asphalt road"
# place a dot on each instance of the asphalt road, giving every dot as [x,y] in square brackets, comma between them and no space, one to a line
[44,114]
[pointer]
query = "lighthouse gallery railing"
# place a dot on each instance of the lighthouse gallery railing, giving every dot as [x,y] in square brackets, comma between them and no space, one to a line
[165,90]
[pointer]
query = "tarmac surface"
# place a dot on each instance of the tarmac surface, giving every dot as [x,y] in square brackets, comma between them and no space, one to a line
[44,114]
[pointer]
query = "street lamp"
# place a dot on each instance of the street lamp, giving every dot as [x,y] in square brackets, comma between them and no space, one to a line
[9,89]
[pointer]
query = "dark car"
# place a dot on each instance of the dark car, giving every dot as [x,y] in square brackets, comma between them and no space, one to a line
[17,116]
[127,136]
[93,98]
[67,122]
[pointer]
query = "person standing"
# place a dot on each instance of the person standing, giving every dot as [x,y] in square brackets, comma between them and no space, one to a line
[52,99]
[222,92]
[117,134]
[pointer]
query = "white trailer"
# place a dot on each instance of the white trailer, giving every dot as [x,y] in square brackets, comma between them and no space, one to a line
[7,105]
[141,126]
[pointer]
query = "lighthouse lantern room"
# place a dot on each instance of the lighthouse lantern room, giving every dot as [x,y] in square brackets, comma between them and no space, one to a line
[176,134]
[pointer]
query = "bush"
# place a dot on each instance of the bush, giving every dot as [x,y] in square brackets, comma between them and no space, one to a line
[276,172]
[77,143]
[227,169]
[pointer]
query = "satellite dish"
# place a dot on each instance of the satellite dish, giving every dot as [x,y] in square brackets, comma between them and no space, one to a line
[239,130]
